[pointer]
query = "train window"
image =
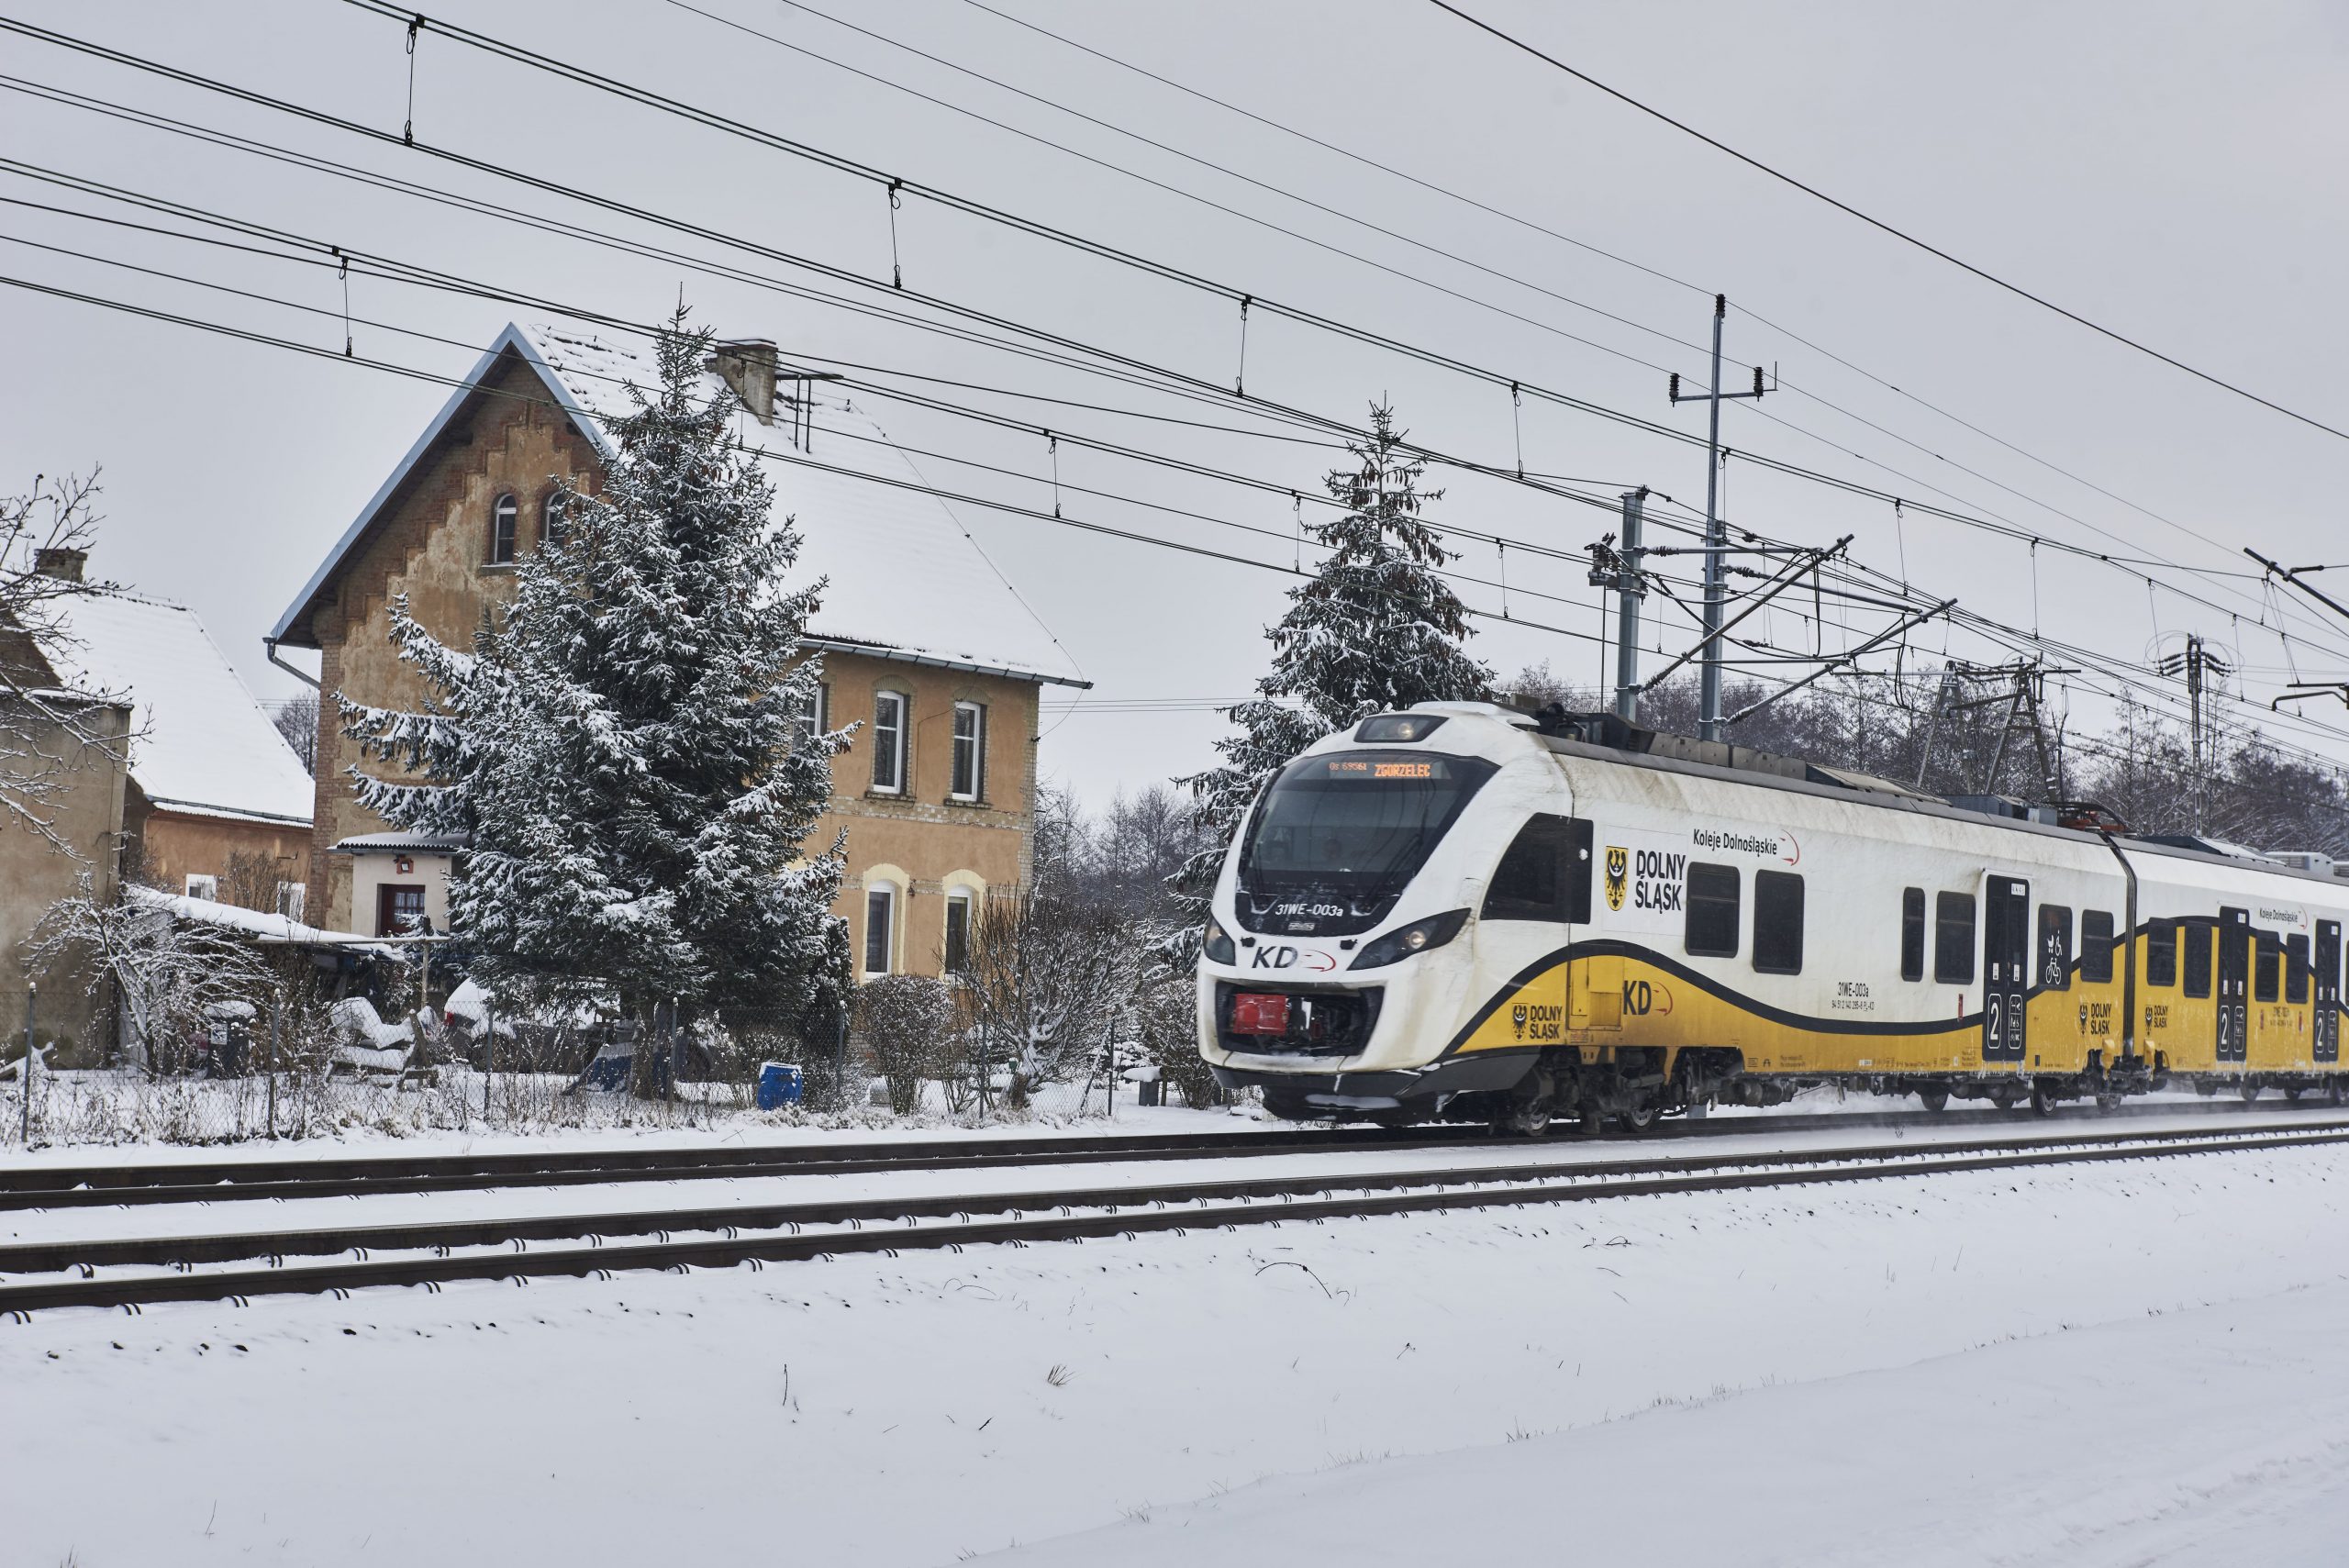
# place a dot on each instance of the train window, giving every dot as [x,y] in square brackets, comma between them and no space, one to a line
[2055,948]
[1712,911]
[1912,933]
[2266,975]
[2161,952]
[1953,939]
[1777,922]
[2096,947]
[1546,875]
[2194,961]
[2296,969]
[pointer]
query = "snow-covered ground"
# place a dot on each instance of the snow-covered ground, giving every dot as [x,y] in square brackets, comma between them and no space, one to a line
[2133,1362]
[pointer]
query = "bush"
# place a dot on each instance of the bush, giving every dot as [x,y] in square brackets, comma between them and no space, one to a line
[908,1022]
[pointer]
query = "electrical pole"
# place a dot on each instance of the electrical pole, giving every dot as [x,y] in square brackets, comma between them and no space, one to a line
[1716,534]
[2196,664]
[1619,570]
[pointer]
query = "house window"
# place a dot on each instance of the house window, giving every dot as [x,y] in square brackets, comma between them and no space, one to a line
[958,931]
[1712,911]
[1777,922]
[889,743]
[969,752]
[203,886]
[1953,939]
[815,709]
[399,910]
[880,918]
[1912,933]
[2096,947]
[2055,948]
[291,897]
[501,531]
[553,520]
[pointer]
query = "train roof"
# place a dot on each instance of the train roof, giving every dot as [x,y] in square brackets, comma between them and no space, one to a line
[1605,738]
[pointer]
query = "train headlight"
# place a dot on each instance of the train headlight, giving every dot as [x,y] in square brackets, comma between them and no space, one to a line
[1218,945]
[1417,937]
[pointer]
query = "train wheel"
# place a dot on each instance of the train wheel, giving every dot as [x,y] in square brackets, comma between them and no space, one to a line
[1526,1112]
[2250,1090]
[1643,1119]
[2332,1091]
[2005,1095]
[2293,1092]
[2041,1102]
[1934,1100]
[2110,1099]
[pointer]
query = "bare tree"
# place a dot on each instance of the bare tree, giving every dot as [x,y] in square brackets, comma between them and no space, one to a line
[171,976]
[296,718]
[1046,974]
[45,732]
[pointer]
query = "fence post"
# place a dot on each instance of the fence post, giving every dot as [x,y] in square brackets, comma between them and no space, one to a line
[276,1035]
[24,1130]
[489,1061]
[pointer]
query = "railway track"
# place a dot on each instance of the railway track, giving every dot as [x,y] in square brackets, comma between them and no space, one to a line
[62,1186]
[433,1253]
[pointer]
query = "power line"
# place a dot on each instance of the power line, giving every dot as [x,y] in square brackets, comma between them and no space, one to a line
[1901,235]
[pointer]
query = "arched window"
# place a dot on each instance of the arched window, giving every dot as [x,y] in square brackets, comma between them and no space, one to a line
[501,530]
[554,521]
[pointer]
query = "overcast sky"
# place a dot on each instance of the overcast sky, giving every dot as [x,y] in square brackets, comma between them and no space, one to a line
[2172,171]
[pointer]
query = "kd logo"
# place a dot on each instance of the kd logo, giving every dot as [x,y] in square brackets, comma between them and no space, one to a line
[1619,870]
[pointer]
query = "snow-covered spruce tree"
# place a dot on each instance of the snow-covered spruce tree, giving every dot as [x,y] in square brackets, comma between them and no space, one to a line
[623,748]
[1375,630]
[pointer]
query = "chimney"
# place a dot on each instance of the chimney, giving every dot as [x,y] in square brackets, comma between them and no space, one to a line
[748,365]
[65,565]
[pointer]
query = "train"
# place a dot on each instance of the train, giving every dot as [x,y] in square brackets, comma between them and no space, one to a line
[1464,912]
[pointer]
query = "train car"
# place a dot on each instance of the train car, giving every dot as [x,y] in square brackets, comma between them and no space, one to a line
[1467,913]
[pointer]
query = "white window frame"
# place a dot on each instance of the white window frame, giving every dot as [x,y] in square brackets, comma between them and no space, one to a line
[291,897]
[200,886]
[505,529]
[551,527]
[819,721]
[886,894]
[889,740]
[957,898]
[974,747]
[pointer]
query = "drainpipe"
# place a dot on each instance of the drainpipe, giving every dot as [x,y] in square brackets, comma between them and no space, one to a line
[308,680]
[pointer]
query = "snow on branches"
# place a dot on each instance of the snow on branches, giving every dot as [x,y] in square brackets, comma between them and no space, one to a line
[626,748]
[1375,630]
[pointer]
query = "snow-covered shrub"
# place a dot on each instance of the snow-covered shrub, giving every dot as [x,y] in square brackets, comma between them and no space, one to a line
[906,1021]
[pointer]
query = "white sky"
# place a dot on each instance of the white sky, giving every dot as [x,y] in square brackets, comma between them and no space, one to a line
[2172,171]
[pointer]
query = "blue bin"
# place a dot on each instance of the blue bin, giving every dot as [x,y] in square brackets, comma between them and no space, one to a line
[778,1085]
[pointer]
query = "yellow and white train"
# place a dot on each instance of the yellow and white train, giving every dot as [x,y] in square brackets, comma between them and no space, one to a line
[1465,913]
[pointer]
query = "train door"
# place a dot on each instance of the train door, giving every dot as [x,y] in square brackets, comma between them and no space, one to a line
[2234,984]
[2326,993]
[2006,955]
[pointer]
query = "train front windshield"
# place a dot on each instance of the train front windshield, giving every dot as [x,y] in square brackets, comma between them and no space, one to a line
[1355,825]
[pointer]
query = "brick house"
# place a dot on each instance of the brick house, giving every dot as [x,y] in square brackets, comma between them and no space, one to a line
[924,641]
[213,804]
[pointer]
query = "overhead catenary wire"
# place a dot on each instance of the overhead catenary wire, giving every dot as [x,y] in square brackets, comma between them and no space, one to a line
[1191,382]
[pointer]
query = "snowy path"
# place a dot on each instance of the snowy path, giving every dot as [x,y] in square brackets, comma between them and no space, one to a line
[900,1411]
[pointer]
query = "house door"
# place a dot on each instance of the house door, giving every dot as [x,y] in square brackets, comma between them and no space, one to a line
[2328,991]
[2234,984]
[399,910]
[2006,956]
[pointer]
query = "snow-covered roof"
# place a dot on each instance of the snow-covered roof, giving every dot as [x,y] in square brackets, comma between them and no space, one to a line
[397,843]
[202,743]
[905,578]
[268,929]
